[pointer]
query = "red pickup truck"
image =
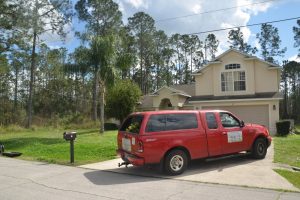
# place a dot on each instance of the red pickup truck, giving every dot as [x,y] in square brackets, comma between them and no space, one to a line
[173,138]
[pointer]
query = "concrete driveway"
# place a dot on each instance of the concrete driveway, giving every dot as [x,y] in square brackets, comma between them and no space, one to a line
[236,170]
[27,180]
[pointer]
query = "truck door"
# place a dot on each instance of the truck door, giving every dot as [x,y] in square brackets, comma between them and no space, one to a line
[214,134]
[233,137]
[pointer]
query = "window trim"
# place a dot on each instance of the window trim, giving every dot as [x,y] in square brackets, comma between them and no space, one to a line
[234,117]
[233,81]
[237,66]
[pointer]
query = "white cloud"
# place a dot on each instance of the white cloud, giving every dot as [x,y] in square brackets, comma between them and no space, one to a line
[196,8]
[137,3]
[294,58]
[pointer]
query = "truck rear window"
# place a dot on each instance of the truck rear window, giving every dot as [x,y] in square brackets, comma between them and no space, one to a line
[132,124]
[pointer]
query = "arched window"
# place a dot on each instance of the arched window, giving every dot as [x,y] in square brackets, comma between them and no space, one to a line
[165,104]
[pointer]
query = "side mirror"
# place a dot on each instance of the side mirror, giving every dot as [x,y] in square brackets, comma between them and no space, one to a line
[242,123]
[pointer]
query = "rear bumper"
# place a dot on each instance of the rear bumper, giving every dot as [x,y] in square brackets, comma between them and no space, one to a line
[130,158]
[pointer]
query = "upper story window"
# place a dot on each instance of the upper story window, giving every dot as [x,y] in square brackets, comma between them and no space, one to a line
[233,81]
[232,66]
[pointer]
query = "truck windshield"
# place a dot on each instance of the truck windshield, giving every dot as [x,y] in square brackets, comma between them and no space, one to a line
[132,124]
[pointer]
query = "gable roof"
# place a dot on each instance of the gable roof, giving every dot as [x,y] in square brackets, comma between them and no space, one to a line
[247,56]
[186,90]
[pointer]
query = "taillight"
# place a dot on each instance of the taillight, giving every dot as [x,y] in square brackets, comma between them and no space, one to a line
[140,147]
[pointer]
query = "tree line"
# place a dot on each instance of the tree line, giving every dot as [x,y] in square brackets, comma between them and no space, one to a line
[39,85]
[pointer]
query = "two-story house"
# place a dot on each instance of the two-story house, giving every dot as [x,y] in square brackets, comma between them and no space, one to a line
[234,81]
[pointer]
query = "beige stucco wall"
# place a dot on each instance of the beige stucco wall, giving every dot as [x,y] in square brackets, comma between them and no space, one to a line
[204,83]
[266,80]
[259,78]
[166,93]
[273,114]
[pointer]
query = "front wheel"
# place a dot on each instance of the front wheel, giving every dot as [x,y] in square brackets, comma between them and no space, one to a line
[176,162]
[259,149]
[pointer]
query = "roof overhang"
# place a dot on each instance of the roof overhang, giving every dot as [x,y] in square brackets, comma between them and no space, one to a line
[236,100]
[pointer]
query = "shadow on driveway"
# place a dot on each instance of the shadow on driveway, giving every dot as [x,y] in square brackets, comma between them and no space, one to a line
[152,173]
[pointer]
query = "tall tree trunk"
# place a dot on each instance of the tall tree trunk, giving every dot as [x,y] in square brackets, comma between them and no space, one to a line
[179,64]
[191,64]
[157,76]
[141,66]
[31,83]
[186,67]
[168,73]
[102,102]
[285,113]
[16,94]
[95,94]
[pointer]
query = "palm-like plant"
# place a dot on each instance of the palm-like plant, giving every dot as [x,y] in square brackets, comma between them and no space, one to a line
[102,57]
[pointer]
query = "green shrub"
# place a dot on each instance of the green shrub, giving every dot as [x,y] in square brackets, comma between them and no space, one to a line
[283,127]
[110,126]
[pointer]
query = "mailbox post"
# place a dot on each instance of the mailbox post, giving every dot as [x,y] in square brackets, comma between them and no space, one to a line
[1,149]
[70,136]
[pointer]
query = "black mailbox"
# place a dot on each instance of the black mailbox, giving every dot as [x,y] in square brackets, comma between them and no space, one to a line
[69,136]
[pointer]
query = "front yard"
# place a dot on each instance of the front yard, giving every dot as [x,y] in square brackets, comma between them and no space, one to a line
[287,151]
[47,144]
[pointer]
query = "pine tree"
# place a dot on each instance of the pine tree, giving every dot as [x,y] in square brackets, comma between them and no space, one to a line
[296,31]
[236,40]
[269,41]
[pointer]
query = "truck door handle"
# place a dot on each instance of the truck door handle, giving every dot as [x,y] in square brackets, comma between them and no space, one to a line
[151,140]
[224,133]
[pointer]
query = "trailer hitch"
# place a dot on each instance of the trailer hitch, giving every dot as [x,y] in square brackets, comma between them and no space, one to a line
[123,163]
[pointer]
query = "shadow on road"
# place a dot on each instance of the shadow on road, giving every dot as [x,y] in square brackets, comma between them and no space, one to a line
[134,174]
[112,178]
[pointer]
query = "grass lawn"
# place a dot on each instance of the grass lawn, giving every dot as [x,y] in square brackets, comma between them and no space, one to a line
[292,177]
[287,150]
[297,129]
[47,144]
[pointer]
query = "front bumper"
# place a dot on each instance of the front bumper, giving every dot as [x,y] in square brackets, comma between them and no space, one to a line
[130,158]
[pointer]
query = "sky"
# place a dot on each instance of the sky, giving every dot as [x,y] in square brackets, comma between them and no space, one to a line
[192,16]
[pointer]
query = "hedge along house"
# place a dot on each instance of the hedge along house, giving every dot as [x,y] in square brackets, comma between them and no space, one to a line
[234,81]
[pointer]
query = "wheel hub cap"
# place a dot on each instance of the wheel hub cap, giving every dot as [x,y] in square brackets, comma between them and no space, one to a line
[176,162]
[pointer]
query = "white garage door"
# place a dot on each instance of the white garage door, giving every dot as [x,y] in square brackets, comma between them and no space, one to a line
[249,114]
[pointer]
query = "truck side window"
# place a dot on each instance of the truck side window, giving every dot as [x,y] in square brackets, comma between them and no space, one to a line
[156,123]
[211,120]
[228,120]
[181,121]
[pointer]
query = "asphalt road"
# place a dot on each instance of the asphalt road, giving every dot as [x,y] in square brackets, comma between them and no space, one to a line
[33,180]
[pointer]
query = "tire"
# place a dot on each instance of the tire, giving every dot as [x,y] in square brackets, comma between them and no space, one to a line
[259,149]
[175,162]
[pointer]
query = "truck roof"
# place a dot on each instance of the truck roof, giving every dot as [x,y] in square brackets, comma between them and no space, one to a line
[176,111]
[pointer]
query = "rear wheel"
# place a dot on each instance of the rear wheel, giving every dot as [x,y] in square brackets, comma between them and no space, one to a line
[259,149]
[175,162]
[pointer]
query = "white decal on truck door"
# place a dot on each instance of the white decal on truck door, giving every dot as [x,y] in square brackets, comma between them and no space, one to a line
[235,136]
